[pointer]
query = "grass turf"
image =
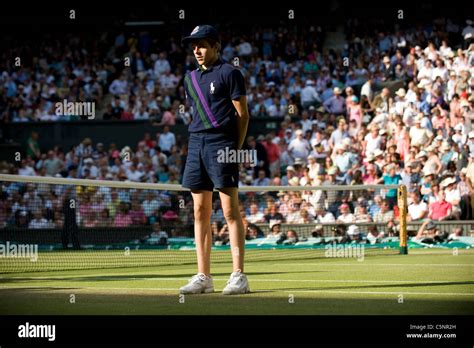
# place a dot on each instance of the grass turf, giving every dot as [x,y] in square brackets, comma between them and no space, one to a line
[300,282]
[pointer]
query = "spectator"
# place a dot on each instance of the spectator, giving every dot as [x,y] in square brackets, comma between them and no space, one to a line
[346,216]
[441,209]
[33,149]
[385,215]
[417,209]
[166,140]
[123,218]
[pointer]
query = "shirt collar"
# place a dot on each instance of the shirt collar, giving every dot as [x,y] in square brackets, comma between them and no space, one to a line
[217,64]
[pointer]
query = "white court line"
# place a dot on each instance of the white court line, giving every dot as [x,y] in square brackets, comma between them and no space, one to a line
[254,291]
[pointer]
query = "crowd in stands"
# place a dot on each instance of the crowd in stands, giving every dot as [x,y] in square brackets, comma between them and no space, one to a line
[399,113]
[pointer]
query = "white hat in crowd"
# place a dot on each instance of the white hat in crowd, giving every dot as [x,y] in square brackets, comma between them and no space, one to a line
[401,92]
[448,181]
[353,230]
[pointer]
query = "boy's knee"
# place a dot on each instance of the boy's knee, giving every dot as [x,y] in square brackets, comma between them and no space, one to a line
[202,212]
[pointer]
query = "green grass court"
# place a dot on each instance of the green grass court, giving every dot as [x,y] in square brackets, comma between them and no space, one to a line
[431,281]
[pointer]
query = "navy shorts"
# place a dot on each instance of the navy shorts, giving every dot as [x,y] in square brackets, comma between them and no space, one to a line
[204,169]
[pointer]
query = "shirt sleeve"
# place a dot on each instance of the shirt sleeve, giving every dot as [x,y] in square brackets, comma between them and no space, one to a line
[236,84]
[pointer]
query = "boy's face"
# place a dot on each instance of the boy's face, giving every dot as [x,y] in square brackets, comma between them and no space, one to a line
[203,52]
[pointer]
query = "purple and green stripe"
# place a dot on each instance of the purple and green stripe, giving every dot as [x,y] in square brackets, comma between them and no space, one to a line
[201,100]
[200,111]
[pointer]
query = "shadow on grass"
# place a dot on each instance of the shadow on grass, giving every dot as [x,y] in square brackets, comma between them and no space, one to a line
[30,301]
[131,276]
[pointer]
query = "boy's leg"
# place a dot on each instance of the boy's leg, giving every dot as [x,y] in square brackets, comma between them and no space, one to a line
[230,208]
[202,229]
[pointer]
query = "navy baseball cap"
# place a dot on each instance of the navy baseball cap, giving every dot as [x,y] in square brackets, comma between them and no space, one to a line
[202,32]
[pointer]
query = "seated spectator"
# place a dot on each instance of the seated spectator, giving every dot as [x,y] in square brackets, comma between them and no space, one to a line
[275,232]
[292,237]
[361,214]
[417,209]
[456,233]
[385,214]
[391,178]
[323,216]
[354,234]
[253,232]
[38,221]
[261,180]
[346,216]
[222,237]
[428,233]
[123,217]
[255,215]
[373,235]
[137,214]
[441,209]
[453,196]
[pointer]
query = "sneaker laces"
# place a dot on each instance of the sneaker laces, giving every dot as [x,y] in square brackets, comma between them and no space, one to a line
[198,278]
[234,278]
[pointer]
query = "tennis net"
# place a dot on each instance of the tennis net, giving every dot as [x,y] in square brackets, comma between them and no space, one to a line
[49,224]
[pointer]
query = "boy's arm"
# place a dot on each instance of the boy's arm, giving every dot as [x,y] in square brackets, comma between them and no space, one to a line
[243,117]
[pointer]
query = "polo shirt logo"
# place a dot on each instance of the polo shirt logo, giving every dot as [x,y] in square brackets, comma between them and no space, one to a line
[212,88]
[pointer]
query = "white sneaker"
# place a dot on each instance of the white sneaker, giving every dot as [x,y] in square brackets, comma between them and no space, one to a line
[199,283]
[237,284]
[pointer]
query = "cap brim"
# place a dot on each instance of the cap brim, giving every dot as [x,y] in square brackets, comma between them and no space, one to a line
[188,39]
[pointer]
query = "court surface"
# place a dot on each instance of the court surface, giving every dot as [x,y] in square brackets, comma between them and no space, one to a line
[425,282]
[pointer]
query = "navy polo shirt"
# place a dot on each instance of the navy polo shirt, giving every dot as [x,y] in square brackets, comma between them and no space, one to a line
[210,93]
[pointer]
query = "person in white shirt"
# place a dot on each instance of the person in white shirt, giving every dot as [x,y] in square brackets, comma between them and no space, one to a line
[401,101]
[306,123]
[418,209]
[309,95]
[299,147]
[453,196]
[336,104]
[426,72]
[445,50]
[161,65]
[420,136]
[167,140]
[411,92]
[150,204]
[134,175]
[89,170]
[39,221]
[367,89]
[255,215]
[346,216]
[119,86]
[373,141]
[244,48]
[440,71]
[25,169]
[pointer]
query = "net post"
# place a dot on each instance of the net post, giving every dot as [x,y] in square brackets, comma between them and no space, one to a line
[403,208]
